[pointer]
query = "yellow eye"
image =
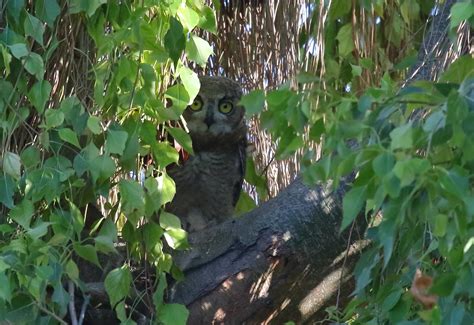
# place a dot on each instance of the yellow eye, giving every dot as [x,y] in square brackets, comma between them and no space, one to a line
[226,107]
[196,105]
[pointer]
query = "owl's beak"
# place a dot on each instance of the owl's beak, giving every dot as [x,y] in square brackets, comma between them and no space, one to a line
[209,120]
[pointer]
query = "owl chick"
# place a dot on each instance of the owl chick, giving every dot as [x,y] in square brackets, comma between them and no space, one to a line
[208,184]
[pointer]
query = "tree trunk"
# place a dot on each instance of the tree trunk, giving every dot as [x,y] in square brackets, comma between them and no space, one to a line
[283,261]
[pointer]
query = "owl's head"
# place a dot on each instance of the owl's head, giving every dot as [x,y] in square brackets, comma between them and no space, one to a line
[215,118]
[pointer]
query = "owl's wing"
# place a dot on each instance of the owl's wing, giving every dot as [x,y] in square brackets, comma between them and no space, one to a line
[242,162]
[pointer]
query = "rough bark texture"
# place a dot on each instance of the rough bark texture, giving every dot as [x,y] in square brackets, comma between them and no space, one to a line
[280,262]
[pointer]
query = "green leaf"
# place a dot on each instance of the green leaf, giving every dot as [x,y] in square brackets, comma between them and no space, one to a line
[198,50]
[207,20]
[7,189]
[69,136]
[53,118]
[356,70]
[352,204]
[339,8]
[173,314]
[188,17]
[77,218]
[383,164]
[12,164]
[34,28]
[253,102]
[89,6]
[402,137]
[179,96]
[102,167]
[183,138]
[444,284]
[39,95]
[38,230]
[440,225]
[107,237]
[166,189]
[19,50]
[132,197]
[5,288]
[346,43]
[30,157]
[34,65]
[87,252]
[175,42]
[391,300]
[93,124]
[454,183]
[72,270]
[116,141]
[47,10]
[458,70]
[169,221]
[190,81]
[410,11]
[117,284]
[461,11]
[14,8]
[22,213]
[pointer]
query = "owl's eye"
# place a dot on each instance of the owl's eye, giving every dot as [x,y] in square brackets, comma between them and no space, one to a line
[226,107]
[196,105]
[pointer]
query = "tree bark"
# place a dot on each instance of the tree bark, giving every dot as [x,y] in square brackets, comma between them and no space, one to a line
[283,261]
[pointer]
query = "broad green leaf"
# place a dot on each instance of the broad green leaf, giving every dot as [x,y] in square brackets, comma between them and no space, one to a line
[166,189]
[169,221]
[93,124]
[164,154]
[356,70]
[19,50]
[461,11]
[38,230]
[5,288]
[383,164]
[188,17]
[158,295]
[183,138]
[69,136]
[253,102]
[391,300]
[117,284]
[12,164]
[207,20]
[87,252]
[105,241]
[344,37]
[22,213]
[410,11]
[198,50]
[39,95]
[34,65]
[102,167]
[53,118]
[402,137]
[72,270]
[339,8]
[89,6]
[190,81]
[244,204]
[14,8]
[77,218]
[47,10]
[116,141]
[175,42]
[440,225]
[352,204]
[458,70]
[7,189]
[173,314]
[444,284]
[179,96]
[132,197]
[454,183]
[34,28]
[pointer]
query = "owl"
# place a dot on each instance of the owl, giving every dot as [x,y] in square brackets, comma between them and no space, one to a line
[208,183]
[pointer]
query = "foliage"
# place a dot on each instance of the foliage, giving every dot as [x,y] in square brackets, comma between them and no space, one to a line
[412,171]
[62,151]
